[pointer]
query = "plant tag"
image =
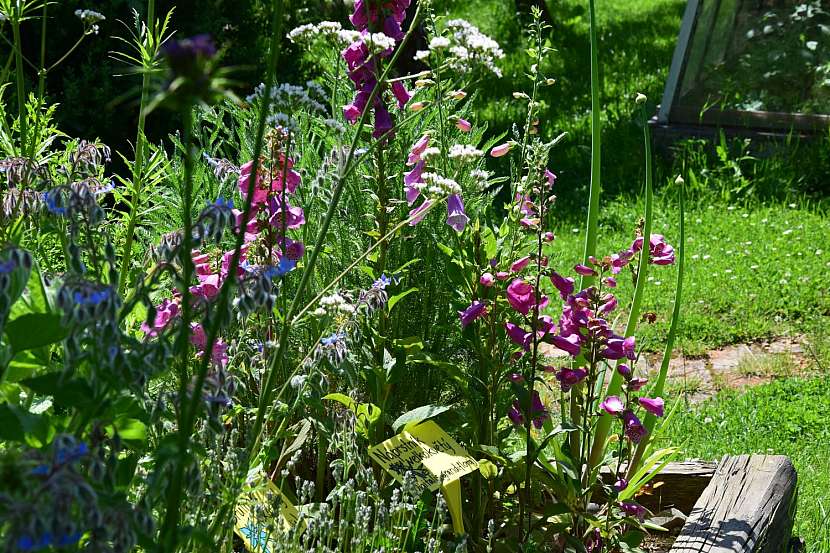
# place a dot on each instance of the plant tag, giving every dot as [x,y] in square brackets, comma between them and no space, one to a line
[433,458]
[252,529]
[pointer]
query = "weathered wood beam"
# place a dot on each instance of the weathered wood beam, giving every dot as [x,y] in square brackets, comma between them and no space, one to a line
[747,507]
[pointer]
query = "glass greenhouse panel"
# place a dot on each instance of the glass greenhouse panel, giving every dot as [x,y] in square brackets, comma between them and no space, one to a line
[751,63]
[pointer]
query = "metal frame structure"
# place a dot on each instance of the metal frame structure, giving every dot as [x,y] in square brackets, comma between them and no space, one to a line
[673,118]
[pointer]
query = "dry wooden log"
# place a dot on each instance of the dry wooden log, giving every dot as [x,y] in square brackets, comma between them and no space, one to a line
[747,507]
[678,485]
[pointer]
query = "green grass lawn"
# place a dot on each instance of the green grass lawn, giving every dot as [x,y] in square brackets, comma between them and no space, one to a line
[752,272]
[786,417]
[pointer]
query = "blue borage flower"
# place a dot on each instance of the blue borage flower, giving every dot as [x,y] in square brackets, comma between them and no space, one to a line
[96,297]
[222,203]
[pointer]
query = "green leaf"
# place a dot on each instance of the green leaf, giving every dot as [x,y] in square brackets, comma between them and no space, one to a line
[488,469]
[396,298]
[67,392]
[131,429]
[17,425]
[419,414]
[35,298]
[446,249]
[35,330]
[343,399]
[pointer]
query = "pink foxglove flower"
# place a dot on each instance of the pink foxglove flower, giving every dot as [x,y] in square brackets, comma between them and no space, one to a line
[551,178]
[636,383]
[612,405]
[652,405]
[418,150]
[569,344]
[521,296]
[518,335]
[487,279]
[660,252]
[520,264]
[584,270]
[165,312]
[417,214]
[500,150]
[632,426]
[537,411]
[463,125]
[502,275]
[401,94]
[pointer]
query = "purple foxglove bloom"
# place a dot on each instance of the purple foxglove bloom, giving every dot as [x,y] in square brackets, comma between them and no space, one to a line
[608,306]
[401,94]
[621,484]
[518,335]
[569,344]
[515,415]
[418,213]
[474,311]
[624,370]
[517,378]
[652,405]
[545,326]
[392,28]
[166,312]
[636,383]
[383,121]
[521,296]
[520,264]
[502,275]
[550,177]
[568,378]
[632,426]
[594,542]
[633,510]
[456,217]
[584,270]
[487,279]
[463,125]
[565,285]
[417,150]
[612,405]
[548,236]
[537,411]
[660,252]
[410,179]
[620,260]
[610,282]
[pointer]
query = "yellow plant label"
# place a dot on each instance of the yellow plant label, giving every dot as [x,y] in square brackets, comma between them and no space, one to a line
[254,529]
[433,459]
[426,451]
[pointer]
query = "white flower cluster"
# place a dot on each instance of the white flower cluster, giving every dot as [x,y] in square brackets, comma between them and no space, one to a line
[378,42]
[465,152]
[481,178]
[90,19]
[472,47]
[439,42]
[329,31]
[291,97]
[334,305]
[435,185]
[430,152]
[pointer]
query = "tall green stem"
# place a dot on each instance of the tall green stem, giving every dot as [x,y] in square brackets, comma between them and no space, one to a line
[21,88]
[659,385]
[186,416]
[596,130]
[138,166]
[615,384]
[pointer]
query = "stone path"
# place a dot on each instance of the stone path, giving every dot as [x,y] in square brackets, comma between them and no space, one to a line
[736,366]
